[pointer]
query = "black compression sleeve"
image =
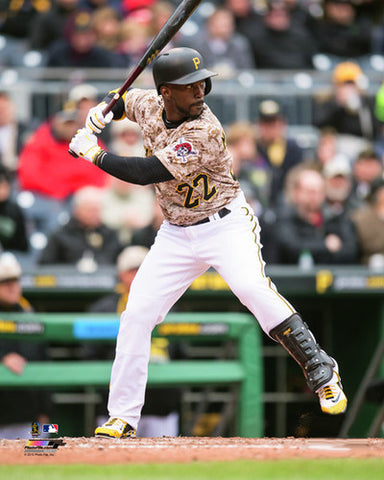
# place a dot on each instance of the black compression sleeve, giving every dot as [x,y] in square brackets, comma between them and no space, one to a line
[138,170]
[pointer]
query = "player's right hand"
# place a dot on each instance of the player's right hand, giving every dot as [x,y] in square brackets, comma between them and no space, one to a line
[85,145]
[96,120]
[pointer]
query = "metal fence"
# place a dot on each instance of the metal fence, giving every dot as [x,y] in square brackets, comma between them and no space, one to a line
[39,92]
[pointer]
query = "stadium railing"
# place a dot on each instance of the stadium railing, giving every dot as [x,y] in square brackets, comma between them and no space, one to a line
[39,92]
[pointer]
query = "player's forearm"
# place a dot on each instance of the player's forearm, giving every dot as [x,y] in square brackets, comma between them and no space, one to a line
[138,170]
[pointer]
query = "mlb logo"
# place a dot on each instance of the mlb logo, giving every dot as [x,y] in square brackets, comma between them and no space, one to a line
[51,428]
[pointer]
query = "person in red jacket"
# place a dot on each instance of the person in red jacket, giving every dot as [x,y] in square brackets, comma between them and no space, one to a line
[45,165]
[48,175]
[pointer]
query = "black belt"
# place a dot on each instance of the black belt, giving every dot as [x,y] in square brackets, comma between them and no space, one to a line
[222,213]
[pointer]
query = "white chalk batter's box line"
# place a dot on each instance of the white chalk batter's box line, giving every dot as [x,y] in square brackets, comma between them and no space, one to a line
[133,445]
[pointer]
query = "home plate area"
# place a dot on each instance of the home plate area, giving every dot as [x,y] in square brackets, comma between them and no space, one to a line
[189,449]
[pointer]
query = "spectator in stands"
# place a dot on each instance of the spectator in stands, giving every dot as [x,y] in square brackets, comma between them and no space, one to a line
[241,141]
[126,138]
[93,5]
[326,146]
[10,286]
[82,98]
[305,226]
[128,262]
[369,224]
[160,414]
[106,25]
[250,168]
[338,186]
[12,133]
[301,18]
[247,19]
[84,241]
[13,231]
[367,167]
[18,17]
[254,173]
[223,49]
[134,41]
[78,47]
[279,151]
[340,33]
[146,236]
[50,174]
[279,44]
[137,9]
[347,109]
[18,407]
[49,26]
[160,11]
[126,207]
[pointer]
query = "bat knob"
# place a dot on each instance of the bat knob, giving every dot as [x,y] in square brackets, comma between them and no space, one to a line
[71,152]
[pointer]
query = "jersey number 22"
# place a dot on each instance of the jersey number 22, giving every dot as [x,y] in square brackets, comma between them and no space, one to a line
[190,200]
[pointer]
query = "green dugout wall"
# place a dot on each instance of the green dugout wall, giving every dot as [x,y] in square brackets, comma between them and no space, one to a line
[244,370]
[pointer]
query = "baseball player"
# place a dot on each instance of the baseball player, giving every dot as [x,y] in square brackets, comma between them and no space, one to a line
[208,223]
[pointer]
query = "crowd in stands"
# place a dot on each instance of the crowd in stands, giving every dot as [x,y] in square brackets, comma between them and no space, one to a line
[58,209]
[231,34]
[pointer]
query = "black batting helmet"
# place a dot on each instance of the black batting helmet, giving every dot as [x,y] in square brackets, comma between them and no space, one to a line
[181,66]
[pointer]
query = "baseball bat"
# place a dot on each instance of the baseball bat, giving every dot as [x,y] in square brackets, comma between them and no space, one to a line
[167,32]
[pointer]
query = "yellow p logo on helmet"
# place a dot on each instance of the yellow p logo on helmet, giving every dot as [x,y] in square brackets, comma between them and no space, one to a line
[196,61]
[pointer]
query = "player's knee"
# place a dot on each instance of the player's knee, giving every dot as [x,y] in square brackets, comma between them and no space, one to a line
[143,311]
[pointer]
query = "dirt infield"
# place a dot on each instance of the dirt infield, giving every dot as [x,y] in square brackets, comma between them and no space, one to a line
[188,449]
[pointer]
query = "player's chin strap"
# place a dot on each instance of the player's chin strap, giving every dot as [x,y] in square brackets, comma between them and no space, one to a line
[294,335]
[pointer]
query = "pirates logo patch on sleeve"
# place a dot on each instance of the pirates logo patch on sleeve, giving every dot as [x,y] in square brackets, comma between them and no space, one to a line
[183,149]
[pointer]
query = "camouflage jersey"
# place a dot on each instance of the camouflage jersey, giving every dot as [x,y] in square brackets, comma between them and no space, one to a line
[195,154]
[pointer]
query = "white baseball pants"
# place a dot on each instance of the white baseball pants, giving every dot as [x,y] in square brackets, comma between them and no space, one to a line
[231,245]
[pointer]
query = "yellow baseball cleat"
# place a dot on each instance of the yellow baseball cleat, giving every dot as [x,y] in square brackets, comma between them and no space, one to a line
[331,396]
[115,428]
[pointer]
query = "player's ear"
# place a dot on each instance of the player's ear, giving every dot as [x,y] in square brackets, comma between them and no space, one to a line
[165,91]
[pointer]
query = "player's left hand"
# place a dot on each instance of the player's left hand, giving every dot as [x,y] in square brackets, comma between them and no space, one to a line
[85,145]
